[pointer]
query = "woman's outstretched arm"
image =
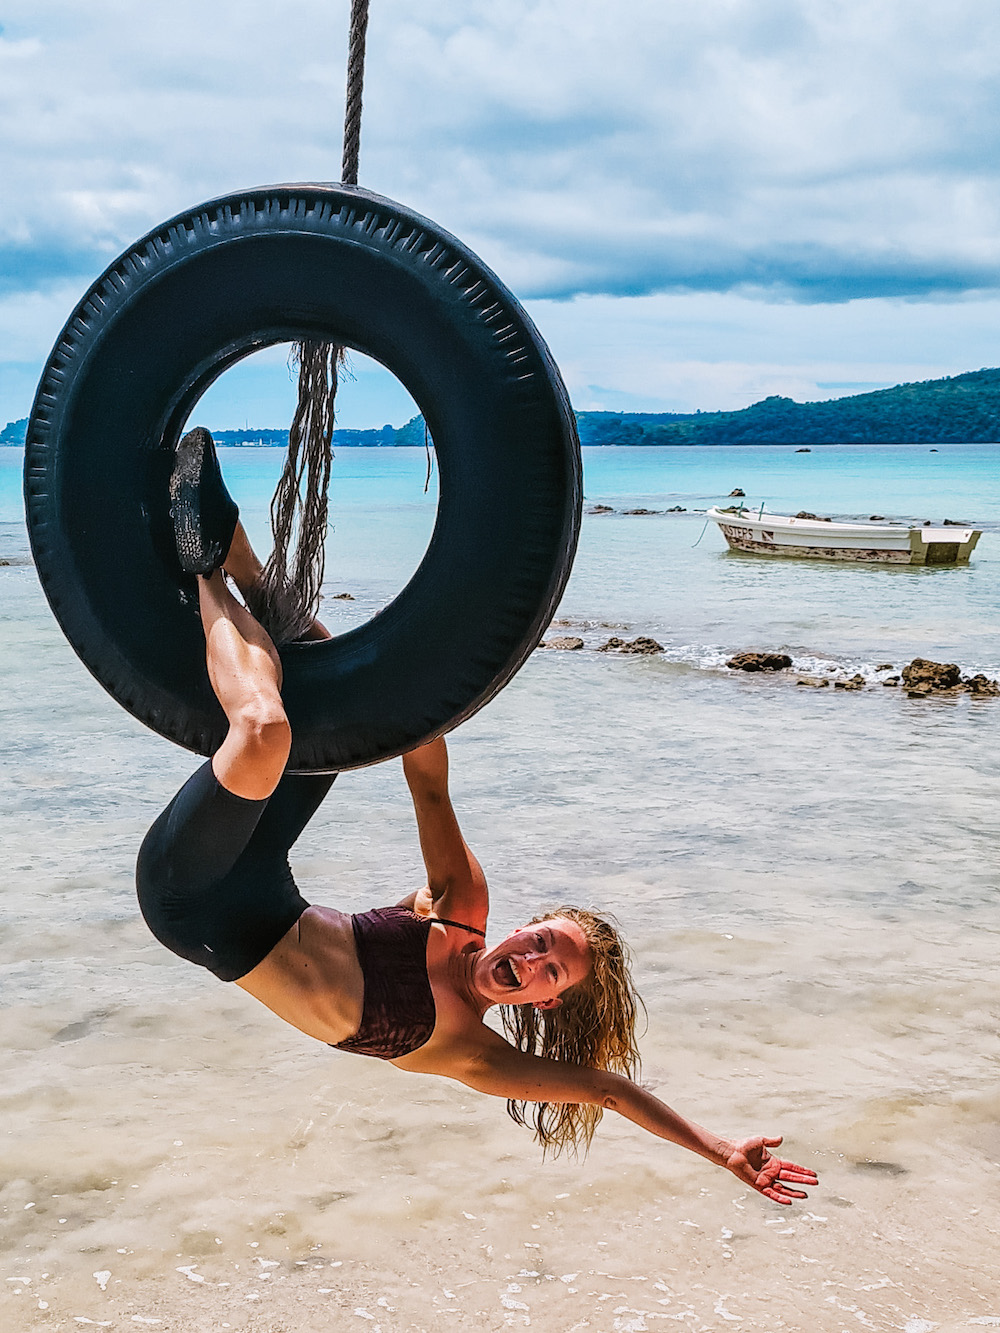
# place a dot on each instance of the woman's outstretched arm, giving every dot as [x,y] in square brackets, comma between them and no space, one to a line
[456,885]
[501,1071]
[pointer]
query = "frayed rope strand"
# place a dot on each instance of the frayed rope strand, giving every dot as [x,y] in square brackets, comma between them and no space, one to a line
[286,597]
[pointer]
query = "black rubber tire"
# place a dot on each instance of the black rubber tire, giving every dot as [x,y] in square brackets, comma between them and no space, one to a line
[189,300]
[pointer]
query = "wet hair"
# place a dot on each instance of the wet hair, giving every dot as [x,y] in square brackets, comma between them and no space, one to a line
[594,1027]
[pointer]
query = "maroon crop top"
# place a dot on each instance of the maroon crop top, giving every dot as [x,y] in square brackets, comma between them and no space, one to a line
[398,1015]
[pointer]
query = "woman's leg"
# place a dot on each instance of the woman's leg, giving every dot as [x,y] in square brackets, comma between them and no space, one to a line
[245,672]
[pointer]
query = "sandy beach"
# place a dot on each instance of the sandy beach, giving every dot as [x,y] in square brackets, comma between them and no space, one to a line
[808,882]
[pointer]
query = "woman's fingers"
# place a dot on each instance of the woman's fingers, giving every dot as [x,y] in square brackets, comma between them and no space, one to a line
[801,1175]
[781,1193]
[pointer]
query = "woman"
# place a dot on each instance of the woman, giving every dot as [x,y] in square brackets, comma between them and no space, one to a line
[409,983]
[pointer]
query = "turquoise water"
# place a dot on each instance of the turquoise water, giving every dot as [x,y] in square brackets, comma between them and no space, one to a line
[808,878]
[667,575]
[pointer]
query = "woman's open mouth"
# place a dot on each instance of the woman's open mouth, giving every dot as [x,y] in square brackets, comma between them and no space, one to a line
[506,974]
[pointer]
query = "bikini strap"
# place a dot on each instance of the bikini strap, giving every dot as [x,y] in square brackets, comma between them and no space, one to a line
[443,921]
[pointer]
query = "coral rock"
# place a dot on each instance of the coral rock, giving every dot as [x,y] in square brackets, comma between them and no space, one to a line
[760,662]
[643,646]
[980,686]
[856,682]
[925,677]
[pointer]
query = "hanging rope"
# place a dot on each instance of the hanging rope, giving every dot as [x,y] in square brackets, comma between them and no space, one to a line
[355,86]
[287,596]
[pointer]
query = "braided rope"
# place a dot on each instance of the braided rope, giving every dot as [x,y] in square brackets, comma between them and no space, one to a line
[355,86]
[287,596]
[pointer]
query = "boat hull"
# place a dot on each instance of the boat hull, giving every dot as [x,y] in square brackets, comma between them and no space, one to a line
[813,539]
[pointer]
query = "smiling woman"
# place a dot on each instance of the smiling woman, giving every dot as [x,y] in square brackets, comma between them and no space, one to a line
[410,983]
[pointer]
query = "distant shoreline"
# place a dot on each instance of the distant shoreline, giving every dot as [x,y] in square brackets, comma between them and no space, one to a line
[958,409]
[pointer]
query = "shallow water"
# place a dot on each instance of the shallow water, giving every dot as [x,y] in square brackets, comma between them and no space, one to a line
[808,879]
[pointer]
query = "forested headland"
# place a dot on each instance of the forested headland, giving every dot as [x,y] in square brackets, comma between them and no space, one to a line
[960,409]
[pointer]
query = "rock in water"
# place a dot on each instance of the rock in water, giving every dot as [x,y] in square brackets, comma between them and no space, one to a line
[980,686]
[855,682]
[925,677]
[570,644]
[643,646]
[760,662]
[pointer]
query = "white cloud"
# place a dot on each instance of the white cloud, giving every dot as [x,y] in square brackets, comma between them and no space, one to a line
[679,353]
[823,150]
[608,147]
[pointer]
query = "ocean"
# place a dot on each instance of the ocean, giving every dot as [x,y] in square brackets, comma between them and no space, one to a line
[807,877]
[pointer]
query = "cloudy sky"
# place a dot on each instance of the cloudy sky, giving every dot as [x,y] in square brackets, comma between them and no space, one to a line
[700,202]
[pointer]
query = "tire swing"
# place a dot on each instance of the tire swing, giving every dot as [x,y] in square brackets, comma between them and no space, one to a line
[332,264]
[183,305]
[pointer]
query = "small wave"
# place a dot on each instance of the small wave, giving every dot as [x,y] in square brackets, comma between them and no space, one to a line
[714,658]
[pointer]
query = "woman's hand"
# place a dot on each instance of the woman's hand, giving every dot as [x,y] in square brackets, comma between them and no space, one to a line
[750,1161]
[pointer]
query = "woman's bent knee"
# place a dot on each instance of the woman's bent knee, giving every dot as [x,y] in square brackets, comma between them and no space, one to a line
[253,756]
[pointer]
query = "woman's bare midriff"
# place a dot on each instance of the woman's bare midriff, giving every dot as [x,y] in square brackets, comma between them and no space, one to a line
[312,977]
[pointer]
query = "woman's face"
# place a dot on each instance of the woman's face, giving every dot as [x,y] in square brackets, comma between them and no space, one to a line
[535,964]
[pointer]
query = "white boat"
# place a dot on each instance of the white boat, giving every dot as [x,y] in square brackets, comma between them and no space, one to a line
[815,538]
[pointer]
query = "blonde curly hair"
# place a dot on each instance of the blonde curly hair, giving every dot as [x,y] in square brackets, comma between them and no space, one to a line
[594,1027]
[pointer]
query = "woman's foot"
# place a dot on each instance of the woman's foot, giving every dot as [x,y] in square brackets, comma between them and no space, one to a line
[203,512]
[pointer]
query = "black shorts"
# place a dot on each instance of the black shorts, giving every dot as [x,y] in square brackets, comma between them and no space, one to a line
[213,876]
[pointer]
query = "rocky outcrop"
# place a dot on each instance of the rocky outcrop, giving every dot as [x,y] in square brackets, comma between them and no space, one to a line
[640,511]
[342,597]
[736,492]
[855,682]
[980,687]
[570,643]
[643,646]
[760,662]
[600,509]
[817,682]
[923,676]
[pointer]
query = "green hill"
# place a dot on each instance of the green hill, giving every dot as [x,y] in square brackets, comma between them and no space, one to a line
[14,432]
[961,409]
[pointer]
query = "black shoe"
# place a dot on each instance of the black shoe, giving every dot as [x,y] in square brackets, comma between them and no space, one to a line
[203,511]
